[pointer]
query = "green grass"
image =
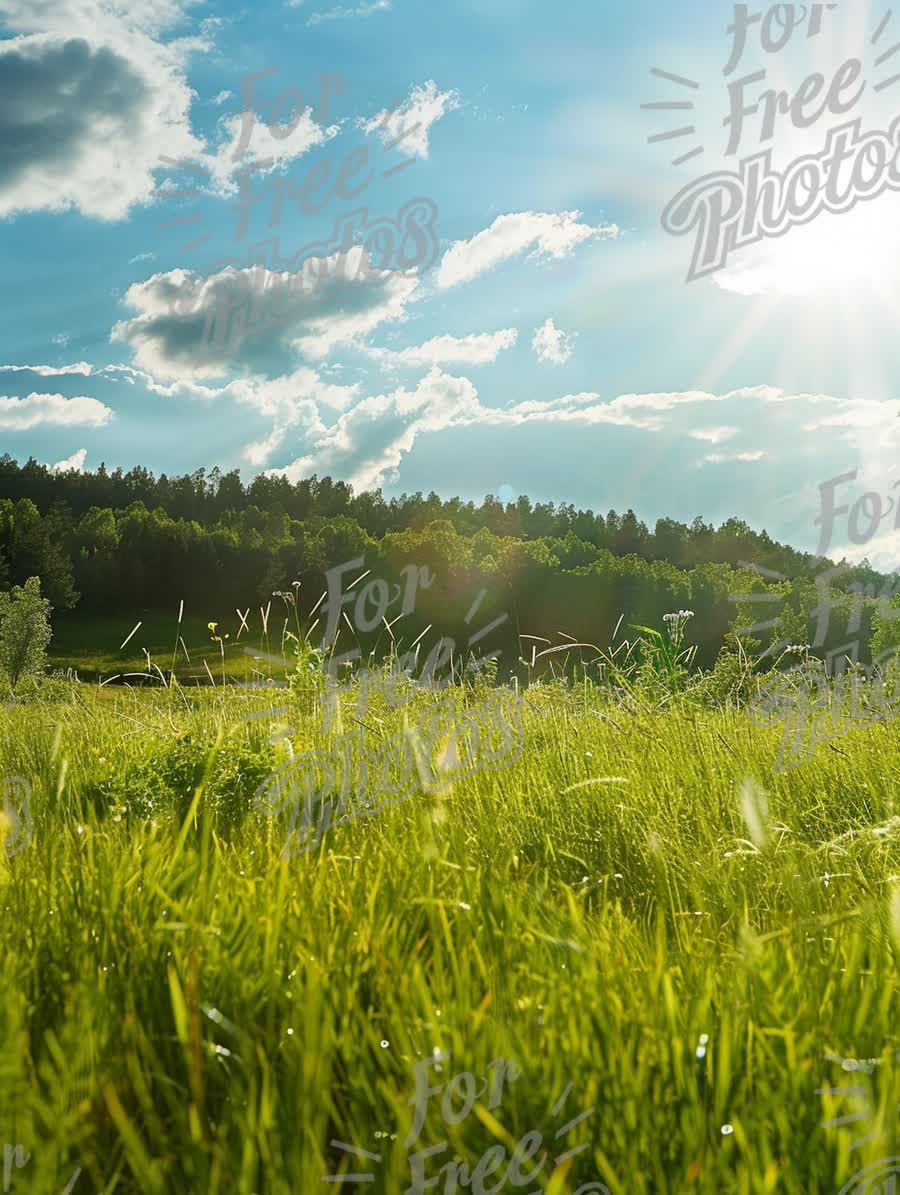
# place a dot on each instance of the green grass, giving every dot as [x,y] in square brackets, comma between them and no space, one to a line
[185,1011]
[92,644]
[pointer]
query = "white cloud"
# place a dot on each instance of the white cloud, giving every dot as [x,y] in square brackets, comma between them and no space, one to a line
[481,348]
[220,99]
[61,338]
[406,128]
[880,551]
[568,402]
[141,257]
[50,371]
[714,435]
[89,101]
[150,17]
[342,13]
[21,414]
[723,458]
[266,394]
[551,344]
[368,443]
[247,142]
[73,463]
[259,452]
[365,446]
[551,234]
[301,402]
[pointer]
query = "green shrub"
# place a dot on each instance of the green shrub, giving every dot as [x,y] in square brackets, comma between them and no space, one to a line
[24,631]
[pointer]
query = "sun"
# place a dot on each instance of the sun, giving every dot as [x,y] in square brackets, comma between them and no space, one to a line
[834,255]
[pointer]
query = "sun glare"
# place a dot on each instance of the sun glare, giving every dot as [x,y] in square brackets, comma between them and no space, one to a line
[834,254]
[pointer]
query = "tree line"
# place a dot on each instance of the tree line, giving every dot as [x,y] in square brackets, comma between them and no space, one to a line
[130,541]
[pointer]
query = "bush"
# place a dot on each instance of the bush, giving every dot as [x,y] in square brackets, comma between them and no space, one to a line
[24,631]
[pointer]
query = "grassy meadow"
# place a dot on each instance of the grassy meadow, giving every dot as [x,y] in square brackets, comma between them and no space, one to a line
[639,912]
[92,644]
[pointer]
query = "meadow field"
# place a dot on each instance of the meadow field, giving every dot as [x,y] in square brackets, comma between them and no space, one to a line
[632,956]
[92,644]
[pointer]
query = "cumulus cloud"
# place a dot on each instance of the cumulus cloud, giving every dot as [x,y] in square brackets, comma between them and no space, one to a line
[22,414]
[406,128]
[248,142]
[547,234]
[368,443]
[258,320]
[551,344]
[72,464]
[480,348]
[89,101]
[349,320]
[92,102]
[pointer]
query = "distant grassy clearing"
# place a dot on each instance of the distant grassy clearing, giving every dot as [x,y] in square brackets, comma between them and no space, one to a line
[91,644]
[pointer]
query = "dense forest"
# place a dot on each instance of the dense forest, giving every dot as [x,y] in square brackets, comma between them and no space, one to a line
[117,541]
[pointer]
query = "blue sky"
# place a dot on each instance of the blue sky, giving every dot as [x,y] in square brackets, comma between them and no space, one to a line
[549,345]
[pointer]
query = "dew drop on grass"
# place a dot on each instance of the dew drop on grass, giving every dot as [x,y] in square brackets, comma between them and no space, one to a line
[290,1033]
[385,1044]
[727,1130]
